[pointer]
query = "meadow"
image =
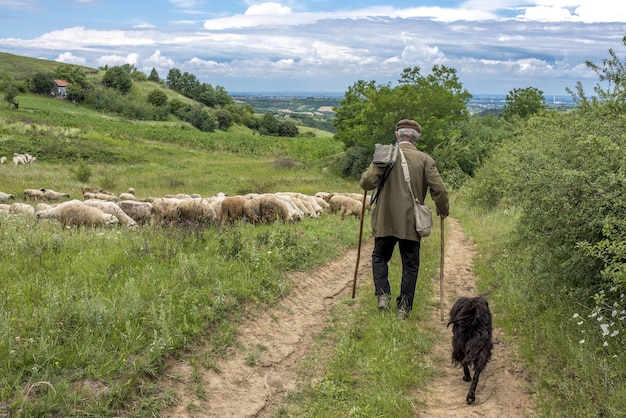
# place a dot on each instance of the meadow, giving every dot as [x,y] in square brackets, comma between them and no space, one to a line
[90,315]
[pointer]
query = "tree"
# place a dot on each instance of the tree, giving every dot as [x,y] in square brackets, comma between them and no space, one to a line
[154,76]
[287,127]
[10,92]
[118,78]
[157,97]
[523,103]
[224,118]
[368,112]
[42,83]
[612,97]
[72,74]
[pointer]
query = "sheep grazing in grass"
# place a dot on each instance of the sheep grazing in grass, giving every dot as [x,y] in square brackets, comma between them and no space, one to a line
[231,209]
[251,210]
[106,196]
[34,194]
[113,209]
[78,214]
[165,210]
[141,212]
[3,159]
[4,208]
[129,195]
[49,194]
[345,205]
[272,208]
[18,207]
[19,159]
[196,210]
[5,197]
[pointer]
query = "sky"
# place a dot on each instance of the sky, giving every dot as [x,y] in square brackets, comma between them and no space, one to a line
[323,46]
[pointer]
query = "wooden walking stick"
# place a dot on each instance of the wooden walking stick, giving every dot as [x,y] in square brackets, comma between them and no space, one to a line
[441,259]
[358,252]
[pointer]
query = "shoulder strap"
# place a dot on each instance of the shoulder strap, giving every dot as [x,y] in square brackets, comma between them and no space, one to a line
[407,176]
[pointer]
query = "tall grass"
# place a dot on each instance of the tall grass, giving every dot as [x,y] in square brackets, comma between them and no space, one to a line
[91,315]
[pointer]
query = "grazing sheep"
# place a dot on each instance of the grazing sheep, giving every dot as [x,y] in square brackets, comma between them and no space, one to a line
[272,208]
[196,210]
[49,194]
[113,209]
[93,190]
[34,194]
[129,195]
[141,212]
[231,208]
[19,159]
[18,207]
[251,210]
[89,195]
[4,208]
[106,196]
[5,197]
[165,210]
[78,215]
[294,211]
[346,205]
[3,159]
[471,338]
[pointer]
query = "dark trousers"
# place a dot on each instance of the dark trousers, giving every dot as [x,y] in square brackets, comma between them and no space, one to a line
[410,255]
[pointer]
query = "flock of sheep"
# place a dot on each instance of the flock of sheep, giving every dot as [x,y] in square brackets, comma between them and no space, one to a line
[19,159]
[99,207]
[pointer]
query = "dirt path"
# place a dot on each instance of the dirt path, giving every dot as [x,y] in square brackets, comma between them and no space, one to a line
[501,390]
[260,370]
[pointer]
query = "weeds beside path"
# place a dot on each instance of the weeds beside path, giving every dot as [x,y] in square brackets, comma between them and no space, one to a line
[260,369]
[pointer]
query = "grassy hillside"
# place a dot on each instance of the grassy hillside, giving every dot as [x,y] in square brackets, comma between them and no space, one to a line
[22,68]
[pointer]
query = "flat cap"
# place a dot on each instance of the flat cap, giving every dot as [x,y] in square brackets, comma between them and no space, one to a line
[408,124]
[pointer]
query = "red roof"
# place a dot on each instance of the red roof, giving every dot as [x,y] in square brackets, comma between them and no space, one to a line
[61,83]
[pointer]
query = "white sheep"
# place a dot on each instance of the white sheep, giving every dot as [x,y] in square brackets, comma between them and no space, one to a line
[49,194]
[5,197]
[35,194]
[4,208]
[272,208]
[78,214]
[106,196]
[346,205]
[129,195]
[3,159]
[166,210]
[19,207]
[231,209]
[18,159]
[196,210]
[113,209]
[141,212]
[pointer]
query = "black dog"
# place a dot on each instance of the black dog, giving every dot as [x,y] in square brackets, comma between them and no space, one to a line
[471,338]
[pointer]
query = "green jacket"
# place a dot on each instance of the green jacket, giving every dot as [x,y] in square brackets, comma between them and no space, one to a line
[392,215]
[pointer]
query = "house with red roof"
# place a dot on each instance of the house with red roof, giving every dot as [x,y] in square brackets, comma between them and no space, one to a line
[59,89]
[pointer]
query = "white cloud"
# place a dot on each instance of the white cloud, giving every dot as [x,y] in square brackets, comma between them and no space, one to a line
[113,60]
[267,9]
[69,58]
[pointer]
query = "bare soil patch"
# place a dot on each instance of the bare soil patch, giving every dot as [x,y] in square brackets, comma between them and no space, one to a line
[260,369]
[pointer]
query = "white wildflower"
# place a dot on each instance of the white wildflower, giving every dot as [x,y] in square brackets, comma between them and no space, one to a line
[605,329]
[615,333]
[605,344]
[575,315]
[582,341]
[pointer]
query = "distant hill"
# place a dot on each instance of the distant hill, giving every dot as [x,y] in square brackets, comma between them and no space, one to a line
[22,68]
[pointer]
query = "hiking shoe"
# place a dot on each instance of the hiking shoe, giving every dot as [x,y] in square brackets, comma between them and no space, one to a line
[402,313]
[383,302]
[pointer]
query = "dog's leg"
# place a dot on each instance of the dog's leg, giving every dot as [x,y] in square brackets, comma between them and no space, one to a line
[471,395]
[466,373]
